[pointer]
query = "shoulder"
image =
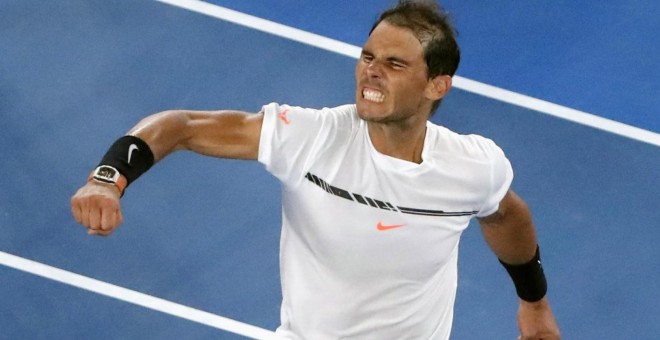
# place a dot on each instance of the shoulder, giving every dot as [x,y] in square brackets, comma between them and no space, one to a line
[342,110]
[471,145]
[344,116]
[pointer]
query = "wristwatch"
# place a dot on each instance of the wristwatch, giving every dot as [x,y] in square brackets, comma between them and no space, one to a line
[110,175]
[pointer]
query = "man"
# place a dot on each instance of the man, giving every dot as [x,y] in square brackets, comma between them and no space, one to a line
[375,196]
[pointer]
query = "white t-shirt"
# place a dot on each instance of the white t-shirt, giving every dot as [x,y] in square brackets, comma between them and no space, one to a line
[369,242]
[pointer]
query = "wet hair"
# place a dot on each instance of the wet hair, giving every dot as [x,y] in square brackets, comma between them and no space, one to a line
[432,26]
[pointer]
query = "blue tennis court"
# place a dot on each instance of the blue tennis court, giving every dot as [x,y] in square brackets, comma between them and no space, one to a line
[197,255]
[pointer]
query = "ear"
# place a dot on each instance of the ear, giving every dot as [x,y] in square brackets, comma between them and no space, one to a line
[438,87]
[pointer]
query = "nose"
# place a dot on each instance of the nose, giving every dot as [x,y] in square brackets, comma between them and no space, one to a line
[374,69]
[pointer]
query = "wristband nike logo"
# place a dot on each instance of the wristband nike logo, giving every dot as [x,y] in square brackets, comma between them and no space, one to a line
[131,148]
[382,227]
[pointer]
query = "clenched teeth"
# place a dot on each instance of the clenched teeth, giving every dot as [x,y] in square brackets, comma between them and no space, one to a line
[373,95]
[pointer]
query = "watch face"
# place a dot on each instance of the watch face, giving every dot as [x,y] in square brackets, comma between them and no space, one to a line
[106,173]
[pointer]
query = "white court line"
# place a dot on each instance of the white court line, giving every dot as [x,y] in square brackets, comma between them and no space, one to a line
[459,82]
[134,297]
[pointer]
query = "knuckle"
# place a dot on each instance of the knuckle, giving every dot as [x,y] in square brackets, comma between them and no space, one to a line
[108,202]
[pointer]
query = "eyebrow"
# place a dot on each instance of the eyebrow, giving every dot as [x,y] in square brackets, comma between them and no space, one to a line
[389,59]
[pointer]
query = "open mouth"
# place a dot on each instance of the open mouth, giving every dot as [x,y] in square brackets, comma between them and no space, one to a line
[373,95]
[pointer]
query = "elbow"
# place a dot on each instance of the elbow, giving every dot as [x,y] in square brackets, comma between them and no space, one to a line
[164,131]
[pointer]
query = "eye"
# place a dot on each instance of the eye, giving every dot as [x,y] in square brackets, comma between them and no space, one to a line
[367,58]
[397,65]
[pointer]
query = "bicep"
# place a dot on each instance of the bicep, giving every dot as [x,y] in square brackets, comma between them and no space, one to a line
[511,207]
[226,134]
[510,230]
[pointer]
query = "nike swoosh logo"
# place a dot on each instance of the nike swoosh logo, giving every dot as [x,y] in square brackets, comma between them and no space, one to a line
[283,117]
[131,148]
[382,227]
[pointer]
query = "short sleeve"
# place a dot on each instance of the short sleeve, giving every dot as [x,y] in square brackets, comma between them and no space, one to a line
[501,176]
[292,138]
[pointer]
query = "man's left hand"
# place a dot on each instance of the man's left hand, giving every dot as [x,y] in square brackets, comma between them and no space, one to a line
[536,321]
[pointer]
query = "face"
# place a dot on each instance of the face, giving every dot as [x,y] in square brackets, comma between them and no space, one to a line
[391,76]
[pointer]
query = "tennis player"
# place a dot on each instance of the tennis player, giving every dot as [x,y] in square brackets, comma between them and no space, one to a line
[375,196]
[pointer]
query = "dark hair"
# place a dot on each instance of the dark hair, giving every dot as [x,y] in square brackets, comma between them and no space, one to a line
[432,26]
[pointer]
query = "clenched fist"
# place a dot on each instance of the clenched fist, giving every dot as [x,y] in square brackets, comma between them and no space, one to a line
[96,206]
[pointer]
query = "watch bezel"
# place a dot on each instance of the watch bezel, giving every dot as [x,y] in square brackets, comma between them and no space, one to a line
[100,174]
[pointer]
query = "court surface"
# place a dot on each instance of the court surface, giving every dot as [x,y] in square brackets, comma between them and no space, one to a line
[197,256]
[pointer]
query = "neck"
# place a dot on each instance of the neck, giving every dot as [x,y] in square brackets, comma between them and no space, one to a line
[402,141]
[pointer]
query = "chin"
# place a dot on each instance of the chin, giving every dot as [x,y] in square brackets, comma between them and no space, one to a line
[369,110]
[366,112]
[370,116]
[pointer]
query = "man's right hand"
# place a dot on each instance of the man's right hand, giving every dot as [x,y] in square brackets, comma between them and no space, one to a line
[96,206]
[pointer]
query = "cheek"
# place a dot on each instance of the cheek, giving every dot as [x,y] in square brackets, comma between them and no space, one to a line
[408,94]
[416,89]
